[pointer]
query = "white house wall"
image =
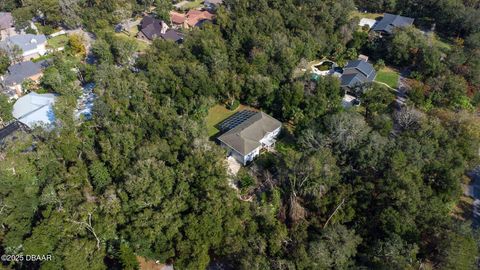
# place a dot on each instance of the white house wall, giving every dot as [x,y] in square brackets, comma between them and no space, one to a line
[270,136]
[256,152]
[252,155]
[40,50]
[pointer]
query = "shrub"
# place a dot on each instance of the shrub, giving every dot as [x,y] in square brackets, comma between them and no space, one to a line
[233,105]
[380,64]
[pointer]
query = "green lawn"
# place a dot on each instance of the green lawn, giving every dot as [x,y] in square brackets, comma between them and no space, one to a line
[142,45]
[192,4]
[388,76]
[367,15]
[217,114]
[443,44]
[57,42]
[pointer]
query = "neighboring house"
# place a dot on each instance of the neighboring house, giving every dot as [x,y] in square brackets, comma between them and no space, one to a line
[178,20]
[390,21]
[173,35]
[18,73]
[151,28]
[35,109]
[357,72]
[197,17]
[368,22]
[212,4]
[32,46]
[247,132]
[192,18]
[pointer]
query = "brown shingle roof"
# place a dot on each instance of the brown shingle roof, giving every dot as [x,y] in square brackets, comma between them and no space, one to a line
[177,18]
[196,16]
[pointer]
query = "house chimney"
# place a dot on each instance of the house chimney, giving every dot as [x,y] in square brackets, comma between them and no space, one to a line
[164,27]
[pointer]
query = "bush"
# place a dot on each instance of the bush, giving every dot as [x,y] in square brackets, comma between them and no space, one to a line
[30,30]
[245,180]
[380,64]
[46,30]
[233,105]
[383,124]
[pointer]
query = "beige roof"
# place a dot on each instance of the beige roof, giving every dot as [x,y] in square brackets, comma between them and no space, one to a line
[196,16]
[177,18]
[246,137]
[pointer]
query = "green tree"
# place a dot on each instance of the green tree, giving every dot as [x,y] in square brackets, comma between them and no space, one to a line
[128,258]
[5,108]
[4,61]
[335,248]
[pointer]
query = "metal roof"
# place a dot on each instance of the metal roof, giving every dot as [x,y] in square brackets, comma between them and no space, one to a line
[35,109]
[357,72]
[391,21]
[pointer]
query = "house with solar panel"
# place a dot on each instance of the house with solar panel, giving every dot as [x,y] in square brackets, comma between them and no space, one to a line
[389,22]
[246,133]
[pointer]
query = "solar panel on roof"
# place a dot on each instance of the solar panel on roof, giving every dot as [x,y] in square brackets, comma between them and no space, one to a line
[235,120]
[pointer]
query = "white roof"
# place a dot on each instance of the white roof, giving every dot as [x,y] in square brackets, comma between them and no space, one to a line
[35,109]
[369,22]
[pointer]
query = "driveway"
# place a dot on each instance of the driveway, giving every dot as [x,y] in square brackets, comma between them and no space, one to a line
[402,88]
[474,192]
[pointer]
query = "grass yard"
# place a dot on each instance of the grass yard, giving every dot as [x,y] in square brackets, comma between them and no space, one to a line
[443,44]
[367,15]
[217,114]
[192,4]
[57,42]
[142,45]
[388,76]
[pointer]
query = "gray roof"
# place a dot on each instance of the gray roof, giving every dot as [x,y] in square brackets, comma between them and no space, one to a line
[390,21]
[246,137]
[19,72]
[357,72]
[213,2]
[6,20]
[172,35]
[152,27]
[26,42]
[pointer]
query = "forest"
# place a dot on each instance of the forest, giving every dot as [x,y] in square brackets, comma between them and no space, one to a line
[370,188]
